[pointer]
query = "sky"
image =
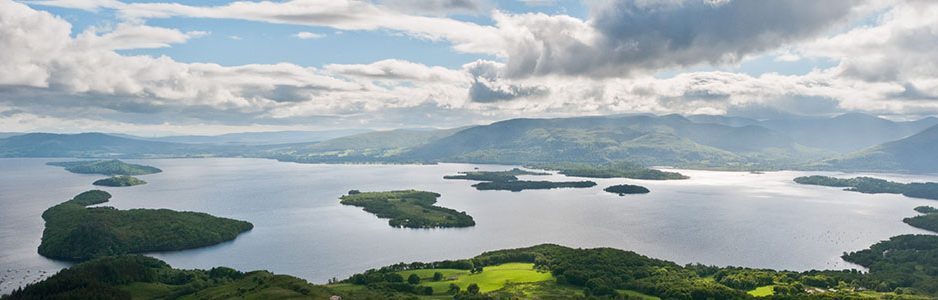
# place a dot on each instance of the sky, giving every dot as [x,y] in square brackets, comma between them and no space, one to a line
[210,67]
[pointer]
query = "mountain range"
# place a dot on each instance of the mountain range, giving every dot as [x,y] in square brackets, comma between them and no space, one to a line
[845,142]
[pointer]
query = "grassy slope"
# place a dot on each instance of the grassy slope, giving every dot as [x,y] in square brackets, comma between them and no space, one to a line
[492,278]
[762,291]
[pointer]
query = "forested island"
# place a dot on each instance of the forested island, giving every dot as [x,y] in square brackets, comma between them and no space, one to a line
[510,175]
[508,181]
[520,185]
[926,209]
[119,181]
[75,232]
[870,185]
[105,167]
[623,189]
[612,170]
[409,208]
[928,220]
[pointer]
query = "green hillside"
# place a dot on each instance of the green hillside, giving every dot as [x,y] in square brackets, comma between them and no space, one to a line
[379,146]
[916,153]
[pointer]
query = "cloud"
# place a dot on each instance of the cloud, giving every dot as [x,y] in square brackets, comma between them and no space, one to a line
[902,47]
[539,2]
[624,37]
[488,86]
[440,7]
[338,14]
[306,35]
[43,55]
[131,36]
[551,66]
[398,70]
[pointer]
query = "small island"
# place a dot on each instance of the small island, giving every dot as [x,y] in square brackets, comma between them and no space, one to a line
[409,208]
[928,220]
[623,189]
[520,185]
[105,167]
[613,170]
[75,232]
[509,175]
[870,185]
[926,209]
[119,181]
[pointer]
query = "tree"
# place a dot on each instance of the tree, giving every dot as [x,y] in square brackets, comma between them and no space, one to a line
[473,289]
[413,279]
[437,276]
[453,289]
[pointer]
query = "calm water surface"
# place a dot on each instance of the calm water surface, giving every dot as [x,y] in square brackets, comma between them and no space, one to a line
[720,218]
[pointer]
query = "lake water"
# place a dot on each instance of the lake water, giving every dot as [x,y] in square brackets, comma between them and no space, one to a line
[719,218]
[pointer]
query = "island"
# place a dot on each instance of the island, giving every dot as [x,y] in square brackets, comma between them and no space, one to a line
[623,189]
[928,220]
[408,208]
[510,175]
[119,181]
[75,232]
[612,170]
[520,185]
[508,181]
[105,167]
[870,185]
[926,209]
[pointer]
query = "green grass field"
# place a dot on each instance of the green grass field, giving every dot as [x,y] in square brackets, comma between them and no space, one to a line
[492,278]
[762,291]
[636,295]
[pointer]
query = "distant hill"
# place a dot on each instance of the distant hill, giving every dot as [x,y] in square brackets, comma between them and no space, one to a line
[649,140]
[365,147]
[256,138]
[844,133]
[4,135]
[917,153]
[700,141]
[91,145]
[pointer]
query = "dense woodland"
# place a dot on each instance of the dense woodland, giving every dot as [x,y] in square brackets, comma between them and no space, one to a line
[75,232]
[410,208]
[119,181]
[928,220]
[510,175]
[872,185]
[140,277]
[106,167]
[605,272]
[508,181]
[520,185]
[620,169]
[904,267]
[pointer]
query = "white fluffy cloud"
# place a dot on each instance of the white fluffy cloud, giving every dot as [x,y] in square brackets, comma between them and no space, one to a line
[552,65]
[306,35]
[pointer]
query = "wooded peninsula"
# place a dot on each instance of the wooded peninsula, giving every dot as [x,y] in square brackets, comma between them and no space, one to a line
[870,185]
